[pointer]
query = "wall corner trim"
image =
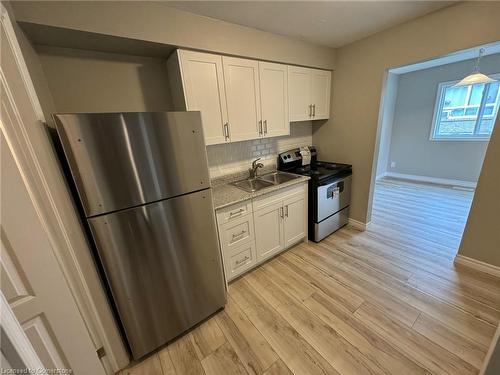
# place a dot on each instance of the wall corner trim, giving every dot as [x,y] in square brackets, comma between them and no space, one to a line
[358,225]
[477,265]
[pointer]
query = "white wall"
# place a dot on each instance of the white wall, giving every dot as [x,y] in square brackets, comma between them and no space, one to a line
[236,157]
[411,149]
[89,81]
[481,239]
[154,21]
[351,134]
[387,120]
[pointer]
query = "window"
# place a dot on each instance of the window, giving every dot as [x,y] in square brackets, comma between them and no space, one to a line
[466,112]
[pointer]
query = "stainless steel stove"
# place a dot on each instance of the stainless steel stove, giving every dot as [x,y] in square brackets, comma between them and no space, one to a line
[329,189]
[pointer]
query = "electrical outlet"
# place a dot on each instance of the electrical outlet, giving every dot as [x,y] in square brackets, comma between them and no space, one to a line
[393,164]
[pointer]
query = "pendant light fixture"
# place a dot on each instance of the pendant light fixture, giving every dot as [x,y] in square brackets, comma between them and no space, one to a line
[476,76]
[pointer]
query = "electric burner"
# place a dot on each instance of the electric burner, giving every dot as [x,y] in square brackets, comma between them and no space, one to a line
[318,169]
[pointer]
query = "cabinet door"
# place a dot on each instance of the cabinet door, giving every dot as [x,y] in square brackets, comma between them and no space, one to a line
[274,99]
[203,82]
[299,93]
[241,79]
[269,231]
[295,219]
[320,93]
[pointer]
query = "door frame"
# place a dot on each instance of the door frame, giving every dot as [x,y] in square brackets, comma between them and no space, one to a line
[31,148]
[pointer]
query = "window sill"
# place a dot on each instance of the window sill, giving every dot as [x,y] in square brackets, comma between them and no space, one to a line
[486,139]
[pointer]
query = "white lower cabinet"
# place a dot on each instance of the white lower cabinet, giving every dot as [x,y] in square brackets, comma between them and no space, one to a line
[294,225]
[269,226]
[255,230]
[239,260]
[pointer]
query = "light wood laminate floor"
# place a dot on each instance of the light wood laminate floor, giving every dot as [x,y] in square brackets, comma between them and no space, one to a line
[385,301]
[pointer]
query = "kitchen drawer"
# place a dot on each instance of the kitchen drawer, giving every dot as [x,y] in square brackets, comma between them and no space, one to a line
[236,232]
[227,214]
[239,260]
[276,196]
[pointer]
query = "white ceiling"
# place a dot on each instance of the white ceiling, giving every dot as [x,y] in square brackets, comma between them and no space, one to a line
[329,23]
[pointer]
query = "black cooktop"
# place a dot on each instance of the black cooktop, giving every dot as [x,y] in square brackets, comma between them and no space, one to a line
[321,169]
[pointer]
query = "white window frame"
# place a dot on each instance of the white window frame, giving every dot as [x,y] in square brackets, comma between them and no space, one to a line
[437,112]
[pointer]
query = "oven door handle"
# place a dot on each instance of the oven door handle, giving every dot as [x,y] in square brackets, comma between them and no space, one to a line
[334,193]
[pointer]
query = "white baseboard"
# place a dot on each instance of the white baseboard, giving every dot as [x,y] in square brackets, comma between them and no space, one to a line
[358,224]
[432,180]
[380,176]
[477,265]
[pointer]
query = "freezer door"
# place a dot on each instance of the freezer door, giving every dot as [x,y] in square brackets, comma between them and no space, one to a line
[120,160]
[163,265]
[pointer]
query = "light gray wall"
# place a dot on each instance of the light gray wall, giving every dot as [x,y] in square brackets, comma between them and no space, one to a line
[89,81]
[154,21]
[481,239]
[492,361]
[351,133]
[411,148]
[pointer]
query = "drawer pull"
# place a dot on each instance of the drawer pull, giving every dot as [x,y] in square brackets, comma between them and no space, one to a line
[236,213]
[239,234]
[238,262]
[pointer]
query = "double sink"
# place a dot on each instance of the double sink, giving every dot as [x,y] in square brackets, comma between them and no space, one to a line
[252,185]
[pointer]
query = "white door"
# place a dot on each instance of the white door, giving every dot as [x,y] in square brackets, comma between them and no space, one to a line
[295,219]
[241,77]
[320,93]
[299,93]
[274,99]
[31,279]
[203,81]
[268,223]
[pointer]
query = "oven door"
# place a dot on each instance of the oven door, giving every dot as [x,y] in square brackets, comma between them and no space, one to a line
[333,197]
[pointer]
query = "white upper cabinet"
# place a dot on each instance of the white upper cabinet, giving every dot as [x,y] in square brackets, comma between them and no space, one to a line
[320,93]
[299,93]
[242,99]
[274,99]
[308,93]
[203,89]
[241,77]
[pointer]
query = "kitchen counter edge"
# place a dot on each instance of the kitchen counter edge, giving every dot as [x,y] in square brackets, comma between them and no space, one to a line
[225,195]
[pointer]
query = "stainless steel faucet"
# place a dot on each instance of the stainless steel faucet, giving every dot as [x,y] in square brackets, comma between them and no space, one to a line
[255,167]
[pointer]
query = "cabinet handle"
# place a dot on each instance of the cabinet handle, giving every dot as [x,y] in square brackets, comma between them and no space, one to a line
[238,213]
[281,212]
[310,110]
[265,126]
[226,131]
[238,262]
[239,234]
[286,214]
[260,127]
[314,110]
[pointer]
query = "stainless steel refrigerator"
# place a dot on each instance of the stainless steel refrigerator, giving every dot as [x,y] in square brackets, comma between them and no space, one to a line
[144,187]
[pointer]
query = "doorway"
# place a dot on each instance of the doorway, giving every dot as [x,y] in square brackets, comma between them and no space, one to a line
[433,137]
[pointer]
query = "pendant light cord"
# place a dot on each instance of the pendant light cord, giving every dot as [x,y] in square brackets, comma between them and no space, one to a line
[476,66]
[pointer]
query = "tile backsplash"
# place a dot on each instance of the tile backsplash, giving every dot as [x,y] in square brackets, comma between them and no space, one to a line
[236,157]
